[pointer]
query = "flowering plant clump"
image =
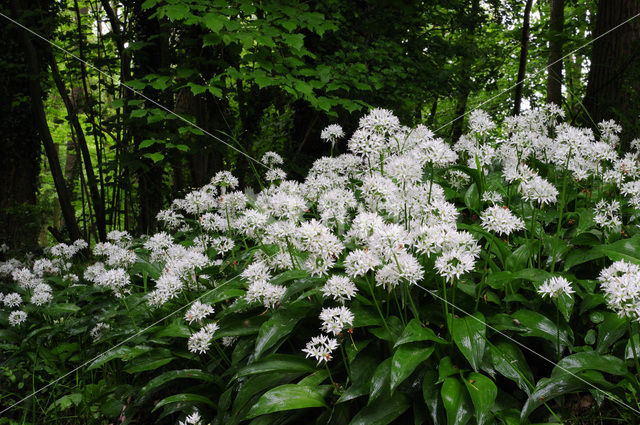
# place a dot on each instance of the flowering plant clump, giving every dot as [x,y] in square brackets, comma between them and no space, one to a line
[402,280]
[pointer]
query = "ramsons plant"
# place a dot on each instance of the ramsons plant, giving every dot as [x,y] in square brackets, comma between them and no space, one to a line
[408,281]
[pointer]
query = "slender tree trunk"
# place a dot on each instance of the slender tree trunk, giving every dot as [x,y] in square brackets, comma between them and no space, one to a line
[554,71]
[35,93]
[524,51]
[92,182]
[614,81]
[461,107]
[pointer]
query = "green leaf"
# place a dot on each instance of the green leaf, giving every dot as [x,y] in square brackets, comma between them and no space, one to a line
[278,363]
[508,360]
[124,353]
[380,380]
[170,376]
[258,384]
[564,303]
[288,397]
[405,360]
[611,329]
[59,309]
[362,369]
[625,249]
[589,360]
[472,198]
[176,11]
[469,335]
[456,402]
[149,142]
[277,327]
[215,21]
[483,394]
[431,396]
[174,329]
[415,331]
[154,156]
[538,325]
[65,402]
[138,113]
[550,388]
[184,398]
[149,361]
[382,412]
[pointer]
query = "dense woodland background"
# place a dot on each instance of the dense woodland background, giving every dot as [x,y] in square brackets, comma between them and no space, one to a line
[82,155]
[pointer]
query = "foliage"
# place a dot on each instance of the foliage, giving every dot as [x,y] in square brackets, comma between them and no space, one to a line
[424,285]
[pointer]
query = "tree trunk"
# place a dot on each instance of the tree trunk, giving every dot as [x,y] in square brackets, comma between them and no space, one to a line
[554,70]
[37,106]
[96,199]
[19,144]
[614,86]
[524,51]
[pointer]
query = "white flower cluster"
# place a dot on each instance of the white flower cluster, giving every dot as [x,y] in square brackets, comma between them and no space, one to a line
[554,287]
[620,283]
[500,220]
[320,348]
[199,342]
[607,214]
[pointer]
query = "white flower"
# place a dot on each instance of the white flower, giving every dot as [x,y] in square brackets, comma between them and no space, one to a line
[332,133]
[492,196]
[606,214]
[199,342]
[334,320]
[454,263]
[320,348]
[275,174]
[340,288]
[620,283]
[98,330]
[17,317]
[192,419]
[500,220]
[480,122]
[360,261]
[197,312]
[12,300]
[117,280]
[380,121]
[271,159]
[554,287]
[539,190]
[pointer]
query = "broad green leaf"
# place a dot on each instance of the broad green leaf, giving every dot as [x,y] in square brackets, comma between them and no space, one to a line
[455,401]
[124,353]
[65,402]
[405,360]
[590,360]
[611,329]
[277,363]
[508,360]
[215,21]
[625,249]
[277,327]
[383,411]
[315,379]
[472,198]
[550,388]
[289,397]
[258,384]
[431,395]
[564,304]
[154,156]
[149,361]
[380,380]
[469,335]
[362,369]
[59,309]
[174,329]
[415,331]
[170,376]
[537,325]
[483,394]
[176,11]
[446,368]
[184,398]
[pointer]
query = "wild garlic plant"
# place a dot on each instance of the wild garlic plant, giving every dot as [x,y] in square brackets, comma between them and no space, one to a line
[405,262]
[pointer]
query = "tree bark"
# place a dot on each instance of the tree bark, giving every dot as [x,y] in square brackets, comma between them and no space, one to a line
[524,51]
[614,85]
[35,93]
[554,63]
